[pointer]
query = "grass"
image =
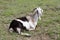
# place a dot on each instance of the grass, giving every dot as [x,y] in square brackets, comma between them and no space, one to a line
[48,27]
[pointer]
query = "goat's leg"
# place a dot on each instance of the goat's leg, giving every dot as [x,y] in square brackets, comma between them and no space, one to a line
[21,33]
[31,28]
[18,30]
[10,30]
[25,34]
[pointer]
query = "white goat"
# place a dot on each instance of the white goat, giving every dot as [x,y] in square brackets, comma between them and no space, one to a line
[27,22]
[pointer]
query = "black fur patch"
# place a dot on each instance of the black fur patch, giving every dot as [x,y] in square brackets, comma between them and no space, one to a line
[23,19]
[16,24]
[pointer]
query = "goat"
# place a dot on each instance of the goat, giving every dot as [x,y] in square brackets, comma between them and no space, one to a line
[26,22]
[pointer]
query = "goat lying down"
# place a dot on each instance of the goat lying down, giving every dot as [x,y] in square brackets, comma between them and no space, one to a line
[26,23]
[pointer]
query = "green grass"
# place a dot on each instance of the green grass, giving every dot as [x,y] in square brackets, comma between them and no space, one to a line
[48,27]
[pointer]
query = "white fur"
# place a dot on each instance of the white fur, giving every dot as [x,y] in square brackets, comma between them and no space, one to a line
[10,30]
[32,25]
[19,30]
[29,25]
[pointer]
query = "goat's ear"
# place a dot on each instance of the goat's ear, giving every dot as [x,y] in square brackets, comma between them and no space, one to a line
[37,11]
[34,9]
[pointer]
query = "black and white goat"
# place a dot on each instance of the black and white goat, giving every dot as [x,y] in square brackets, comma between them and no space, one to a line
[27,22]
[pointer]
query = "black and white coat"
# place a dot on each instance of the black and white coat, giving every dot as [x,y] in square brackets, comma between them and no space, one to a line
[27,22]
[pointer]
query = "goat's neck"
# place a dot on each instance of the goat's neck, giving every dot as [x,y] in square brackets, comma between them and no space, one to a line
[35,17]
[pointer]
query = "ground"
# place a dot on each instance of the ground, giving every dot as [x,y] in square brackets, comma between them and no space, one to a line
[47,29]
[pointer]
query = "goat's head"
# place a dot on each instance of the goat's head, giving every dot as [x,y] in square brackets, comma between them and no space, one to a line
[38,11]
